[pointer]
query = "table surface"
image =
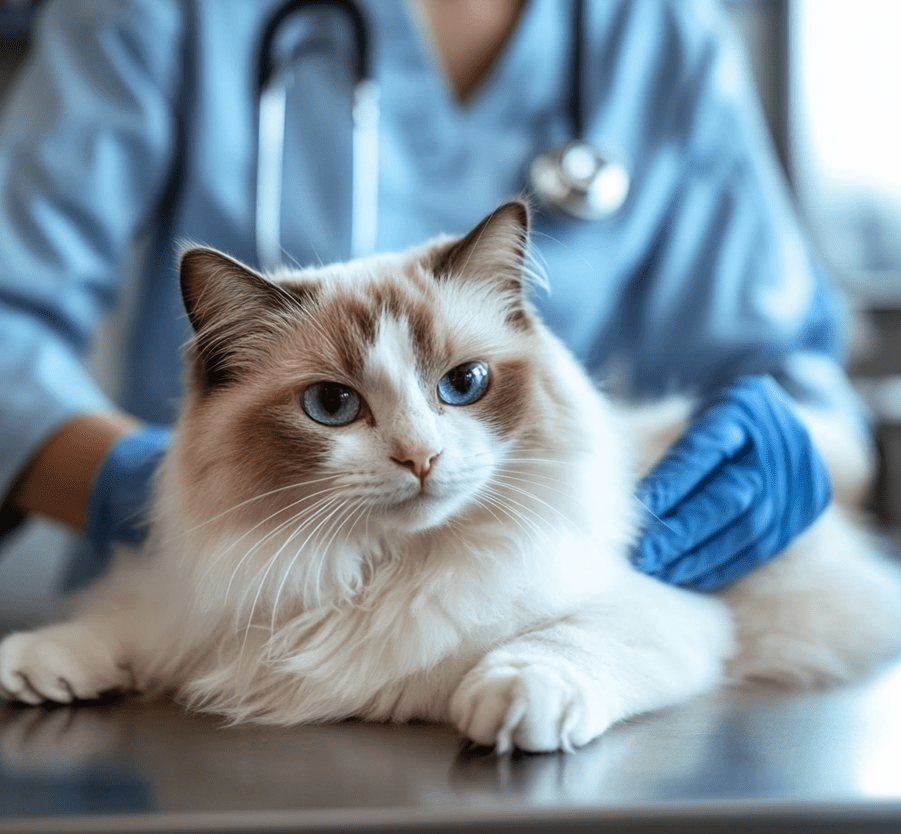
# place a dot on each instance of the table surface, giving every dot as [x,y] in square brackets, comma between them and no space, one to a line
[760,760]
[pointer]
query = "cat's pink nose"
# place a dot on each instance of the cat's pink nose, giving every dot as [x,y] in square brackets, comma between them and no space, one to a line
[417,459]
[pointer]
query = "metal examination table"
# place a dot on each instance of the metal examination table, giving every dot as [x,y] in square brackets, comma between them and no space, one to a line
[732,762]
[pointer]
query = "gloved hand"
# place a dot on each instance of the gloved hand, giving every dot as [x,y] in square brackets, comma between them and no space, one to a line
[117,508]
[743,481]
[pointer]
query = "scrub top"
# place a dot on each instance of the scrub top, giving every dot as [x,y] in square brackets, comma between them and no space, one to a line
[133,128]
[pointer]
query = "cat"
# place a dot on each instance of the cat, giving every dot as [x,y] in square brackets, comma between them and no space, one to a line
[393,494]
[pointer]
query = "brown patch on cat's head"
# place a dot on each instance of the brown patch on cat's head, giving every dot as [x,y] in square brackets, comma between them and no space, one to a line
[279,449]
[350,318]
[347,325]
[506,403]
[248,456]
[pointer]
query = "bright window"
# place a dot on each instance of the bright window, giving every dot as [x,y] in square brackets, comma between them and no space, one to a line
[846,138]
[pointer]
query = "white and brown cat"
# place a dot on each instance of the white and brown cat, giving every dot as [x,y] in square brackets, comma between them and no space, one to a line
[393,494]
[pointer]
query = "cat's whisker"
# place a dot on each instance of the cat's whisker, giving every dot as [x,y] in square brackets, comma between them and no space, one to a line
[651,512]
[353,509]
[533,478]
[452,529]
[181,493]
[223,553]
[289,258]
[307,516]
[310,513]
[369,510]
[511,516]
[340,524]
[504,502]
[257,546]
[550,461]
[269,565]
[336,524]
[534,497]
[483,503]
[316,495]
[505,460]
[500,489]
[341,503]
[314,324]
[559,242]
[536,460]
[313,583]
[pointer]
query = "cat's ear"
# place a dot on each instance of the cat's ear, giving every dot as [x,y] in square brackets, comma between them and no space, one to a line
[232,310]
[494,248]
[493,252]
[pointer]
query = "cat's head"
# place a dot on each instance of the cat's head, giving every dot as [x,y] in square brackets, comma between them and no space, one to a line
[381,395]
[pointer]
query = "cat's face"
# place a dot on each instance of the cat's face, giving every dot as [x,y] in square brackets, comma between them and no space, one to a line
[382,395]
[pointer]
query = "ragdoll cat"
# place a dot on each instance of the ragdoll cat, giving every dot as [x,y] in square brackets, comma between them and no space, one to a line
[393,494]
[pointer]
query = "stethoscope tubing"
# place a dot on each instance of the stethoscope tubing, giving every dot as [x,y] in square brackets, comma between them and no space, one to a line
[273,80]
[583,179]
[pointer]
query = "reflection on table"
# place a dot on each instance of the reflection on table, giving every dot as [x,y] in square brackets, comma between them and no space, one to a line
[754,756]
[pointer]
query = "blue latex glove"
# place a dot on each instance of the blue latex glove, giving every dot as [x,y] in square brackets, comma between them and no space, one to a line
[117,509]
[743,481]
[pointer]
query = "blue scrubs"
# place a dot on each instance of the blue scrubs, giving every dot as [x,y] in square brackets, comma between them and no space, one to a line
[133,128]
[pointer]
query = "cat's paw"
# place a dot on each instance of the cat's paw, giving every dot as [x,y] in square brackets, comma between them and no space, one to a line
[58,664]
[533,705]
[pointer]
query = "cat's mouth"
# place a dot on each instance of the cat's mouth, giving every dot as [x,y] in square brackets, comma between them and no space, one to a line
[436,503]
[427,505]
[424,496]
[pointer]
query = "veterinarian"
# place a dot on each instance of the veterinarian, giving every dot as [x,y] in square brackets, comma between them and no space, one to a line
[134,126]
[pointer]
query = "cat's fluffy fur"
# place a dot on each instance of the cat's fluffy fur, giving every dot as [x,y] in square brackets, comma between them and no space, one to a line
[455,563]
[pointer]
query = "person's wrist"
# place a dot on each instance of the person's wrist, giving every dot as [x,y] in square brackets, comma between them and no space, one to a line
[120,492]
[56,482]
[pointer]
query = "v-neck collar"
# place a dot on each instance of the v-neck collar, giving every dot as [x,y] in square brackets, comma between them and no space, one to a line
[417,30]
[492,95]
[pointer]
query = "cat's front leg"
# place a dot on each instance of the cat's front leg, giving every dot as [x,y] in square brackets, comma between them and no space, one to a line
[101,649]
[514,698]
[561,685]
[62,663]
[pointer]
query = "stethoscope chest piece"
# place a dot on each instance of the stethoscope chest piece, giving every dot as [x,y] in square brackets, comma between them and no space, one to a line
[581,180]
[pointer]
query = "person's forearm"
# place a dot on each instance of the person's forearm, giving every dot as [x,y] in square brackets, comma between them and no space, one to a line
[57,481]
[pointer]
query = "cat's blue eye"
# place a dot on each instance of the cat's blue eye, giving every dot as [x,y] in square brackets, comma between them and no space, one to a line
[331,403]
[464,384]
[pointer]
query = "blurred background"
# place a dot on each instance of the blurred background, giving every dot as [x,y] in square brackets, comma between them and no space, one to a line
[828,73]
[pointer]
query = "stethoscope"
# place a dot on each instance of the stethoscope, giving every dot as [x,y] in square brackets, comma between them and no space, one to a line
[582,179]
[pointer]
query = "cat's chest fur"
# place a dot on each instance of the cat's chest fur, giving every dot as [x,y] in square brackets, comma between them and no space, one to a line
[427,607]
